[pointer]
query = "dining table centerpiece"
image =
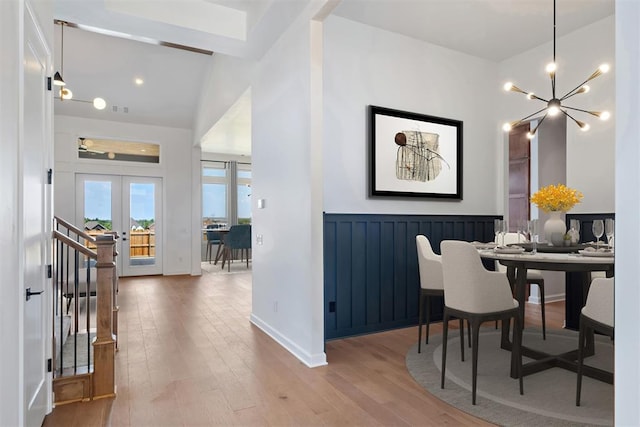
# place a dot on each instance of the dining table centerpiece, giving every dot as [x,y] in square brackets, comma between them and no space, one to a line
[556,200]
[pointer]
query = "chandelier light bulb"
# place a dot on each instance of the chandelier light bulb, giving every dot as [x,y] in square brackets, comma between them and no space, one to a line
[506,127]
[584,126]
[507,86]
[66,93]
[530,95]
[604,115]
[551,67]
[530,135]
[604,68]
[99,103]
[584,89]
[553,111]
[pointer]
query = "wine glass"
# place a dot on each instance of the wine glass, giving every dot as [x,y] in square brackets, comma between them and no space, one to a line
[505,229]
[575,231]
[497,228]
[609,227]
[532,230]
[598,230]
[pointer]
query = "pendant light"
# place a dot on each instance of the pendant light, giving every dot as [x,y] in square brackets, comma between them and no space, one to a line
[554,105]
[57,77]
[65,93]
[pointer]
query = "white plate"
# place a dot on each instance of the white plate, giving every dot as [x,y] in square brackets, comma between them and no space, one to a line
[599,254]
[509,250]
[480,245]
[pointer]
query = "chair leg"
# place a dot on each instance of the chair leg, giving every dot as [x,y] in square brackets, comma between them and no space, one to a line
[445,334]
[420,319]
[218,252]
[475,326]
[461,339]
[427,314]
[208,252]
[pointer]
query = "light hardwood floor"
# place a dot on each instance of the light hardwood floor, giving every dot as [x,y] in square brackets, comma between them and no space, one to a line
[190,357]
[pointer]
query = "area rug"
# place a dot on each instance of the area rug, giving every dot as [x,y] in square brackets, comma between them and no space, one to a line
[549,396]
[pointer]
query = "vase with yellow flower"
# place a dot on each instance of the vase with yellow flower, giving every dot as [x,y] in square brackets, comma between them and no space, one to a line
[556,200]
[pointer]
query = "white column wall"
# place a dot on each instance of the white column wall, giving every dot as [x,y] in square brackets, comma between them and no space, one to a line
[286,278]
[12,396]
[366,66]
[589,154]
[627,188]
[175,169]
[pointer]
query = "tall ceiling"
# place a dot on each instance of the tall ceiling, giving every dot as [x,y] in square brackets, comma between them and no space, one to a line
[104,65]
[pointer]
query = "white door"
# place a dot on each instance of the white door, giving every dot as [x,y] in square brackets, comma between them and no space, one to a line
[132,206]
[35,197]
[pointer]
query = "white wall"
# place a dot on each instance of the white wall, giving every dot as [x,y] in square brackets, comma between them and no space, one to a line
[287,279]
[175,168]
[577,55]
[367,66]
[12,396]
[627,187]
[228,78]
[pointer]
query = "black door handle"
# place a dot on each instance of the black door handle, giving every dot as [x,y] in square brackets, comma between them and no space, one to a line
[29,293]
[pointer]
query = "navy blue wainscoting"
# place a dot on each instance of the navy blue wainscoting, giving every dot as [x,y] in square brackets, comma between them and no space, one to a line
[577,284]
[371,280]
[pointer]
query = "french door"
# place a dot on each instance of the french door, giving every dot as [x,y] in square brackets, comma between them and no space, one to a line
[130,205]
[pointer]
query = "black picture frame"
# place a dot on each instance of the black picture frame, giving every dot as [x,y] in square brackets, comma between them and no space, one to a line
[414,155]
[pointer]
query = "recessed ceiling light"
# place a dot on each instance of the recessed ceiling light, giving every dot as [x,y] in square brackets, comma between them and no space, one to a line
[99,103]
[139,81]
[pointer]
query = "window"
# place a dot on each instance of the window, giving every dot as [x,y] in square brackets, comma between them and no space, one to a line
[214,194]
[244,194]
[226,197]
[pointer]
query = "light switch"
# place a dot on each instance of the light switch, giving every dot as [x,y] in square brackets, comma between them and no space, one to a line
[259,239]
[261,203]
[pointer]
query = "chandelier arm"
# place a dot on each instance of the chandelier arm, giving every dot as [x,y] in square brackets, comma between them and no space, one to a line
[593,113]
[531,115]
[73,99]
[533,132]
[573,91]
[572,118]
[533,96]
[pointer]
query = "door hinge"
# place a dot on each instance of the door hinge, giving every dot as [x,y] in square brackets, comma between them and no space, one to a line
[48,83]
[49,365]
[49,176]
[49,271]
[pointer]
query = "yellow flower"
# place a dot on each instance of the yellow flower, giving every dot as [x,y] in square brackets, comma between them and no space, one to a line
[556,198]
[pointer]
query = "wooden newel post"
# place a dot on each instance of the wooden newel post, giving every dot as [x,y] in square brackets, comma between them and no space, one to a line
[104,345]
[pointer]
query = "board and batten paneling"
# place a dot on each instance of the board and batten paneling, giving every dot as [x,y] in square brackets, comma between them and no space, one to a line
[371,280]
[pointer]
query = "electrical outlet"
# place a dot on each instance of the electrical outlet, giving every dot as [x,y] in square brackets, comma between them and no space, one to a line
[259,239]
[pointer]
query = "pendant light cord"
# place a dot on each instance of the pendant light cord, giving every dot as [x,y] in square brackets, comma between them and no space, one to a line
[553,77]
[62,47]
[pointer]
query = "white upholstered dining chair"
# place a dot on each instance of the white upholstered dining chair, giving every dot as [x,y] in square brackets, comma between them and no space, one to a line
[472,292]
[596,315]
[534,277]
[430,270]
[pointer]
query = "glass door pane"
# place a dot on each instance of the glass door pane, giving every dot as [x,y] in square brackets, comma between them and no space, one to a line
[141,201]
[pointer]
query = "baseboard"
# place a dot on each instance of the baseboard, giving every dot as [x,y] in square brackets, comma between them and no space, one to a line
[311,360]
[547,298]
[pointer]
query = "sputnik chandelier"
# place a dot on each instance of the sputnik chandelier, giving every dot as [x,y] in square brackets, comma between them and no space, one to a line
[555,105]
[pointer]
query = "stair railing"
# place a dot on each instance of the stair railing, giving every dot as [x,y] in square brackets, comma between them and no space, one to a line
[79,273]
